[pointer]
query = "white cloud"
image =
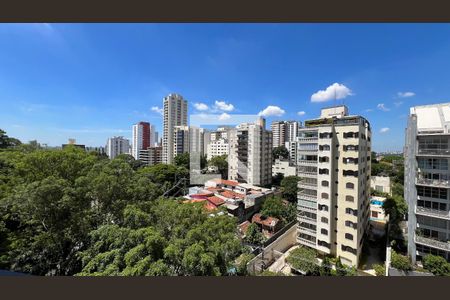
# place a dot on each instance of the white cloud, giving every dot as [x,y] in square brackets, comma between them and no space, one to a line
[222,105]
[397,104]
[384,130]
[271,110]
[368,110]
[301,113]
[157,110]
[405,94]
[382,107]
[224,117]
[201,106]
[336,90]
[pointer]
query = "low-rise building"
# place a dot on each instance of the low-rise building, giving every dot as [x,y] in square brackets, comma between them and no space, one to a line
[283,167]
[381,184]
[377,219]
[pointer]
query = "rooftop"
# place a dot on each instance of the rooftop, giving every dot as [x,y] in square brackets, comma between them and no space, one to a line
[433,118]
[267,221]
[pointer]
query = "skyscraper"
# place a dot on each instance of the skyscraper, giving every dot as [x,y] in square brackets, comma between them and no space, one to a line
[427,180]
[117,145]
[333,163]
[141,138]
[250,157]
[175,114]
[284,132]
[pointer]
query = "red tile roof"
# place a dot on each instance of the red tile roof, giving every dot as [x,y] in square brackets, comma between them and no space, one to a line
[230,182]
[267,221]
[216,200]
[232,195]
[243,227]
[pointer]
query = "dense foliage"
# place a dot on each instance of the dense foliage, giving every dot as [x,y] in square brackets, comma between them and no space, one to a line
[221,162]
[280,152]
[400,262]
[67,212]
[436,265]
[289,188]
[275,207]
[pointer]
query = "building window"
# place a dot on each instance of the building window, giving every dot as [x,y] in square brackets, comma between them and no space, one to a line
[374,214]
[323,207]
[349,198]
[324,171]
[349,236]
[324,147]
[324,231]
[351,211]
[325,183]
[324,196]
[324,220]
[350,173]
[349,185]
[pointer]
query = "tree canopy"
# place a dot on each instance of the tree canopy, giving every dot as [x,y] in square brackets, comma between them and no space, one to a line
[289,188]
[280,152]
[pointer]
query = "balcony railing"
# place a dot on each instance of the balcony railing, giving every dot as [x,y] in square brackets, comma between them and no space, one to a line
[433,152]
[307,230]
[307,185]
[307,162]
[301,218]
[308,139]
[432,212]
[307,196]
[433,243]
[433,182]
[305,241]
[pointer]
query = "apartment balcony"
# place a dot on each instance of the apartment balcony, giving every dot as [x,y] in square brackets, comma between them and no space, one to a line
[307,185]
[308,231]
[307,162]
[433,152]
[306,242]
[307,139]
[306,208]
[306,174]
[434,213]
[302,218]
[310,197]
[432,243]
[433,182]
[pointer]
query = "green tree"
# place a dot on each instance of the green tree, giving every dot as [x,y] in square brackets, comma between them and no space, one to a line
[6,141]
[182,160]
[253,235]
[241,263]
[280,152]
[221,162]
[289,188]
[326,267]
[400,262]
[379,269]
[436,265]
[277,178]
[304,259]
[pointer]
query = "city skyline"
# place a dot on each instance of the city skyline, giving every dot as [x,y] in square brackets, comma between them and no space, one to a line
[80,81]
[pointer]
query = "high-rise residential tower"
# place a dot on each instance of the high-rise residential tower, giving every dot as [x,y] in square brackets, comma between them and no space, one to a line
[427,180]
[284,132]
[141,138]
[175,114]
[250,154]
[333,162]
[117,145]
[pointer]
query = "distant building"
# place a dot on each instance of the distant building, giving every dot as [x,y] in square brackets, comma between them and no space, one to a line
[117,145]
[141,138]
[377,218]
[427,180]
[180,140]
[381,184]
[218,143]
[175,114]
[73,142]
[99,150]
[284,132]
[151,156]
[284,167]
[250,157]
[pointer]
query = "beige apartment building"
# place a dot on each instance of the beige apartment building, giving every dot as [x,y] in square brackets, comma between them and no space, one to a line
[250,154]
[333,162]
[175,114]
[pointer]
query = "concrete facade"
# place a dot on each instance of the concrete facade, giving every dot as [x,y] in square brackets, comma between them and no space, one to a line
[175,114]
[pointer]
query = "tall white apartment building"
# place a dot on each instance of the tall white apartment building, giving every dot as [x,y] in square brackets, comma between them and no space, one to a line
[218,144]
[427,180]
[250,157]
[141,138]
[333,162]
[284,132]
[117,145]
[175,114]
[181,141]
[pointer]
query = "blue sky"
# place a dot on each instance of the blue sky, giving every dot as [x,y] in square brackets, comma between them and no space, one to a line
[92,81]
